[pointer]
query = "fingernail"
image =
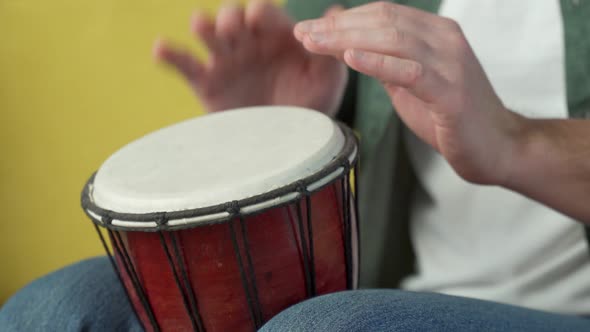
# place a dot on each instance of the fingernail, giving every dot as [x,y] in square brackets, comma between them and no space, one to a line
[356,54]
[303,26]
[317,37]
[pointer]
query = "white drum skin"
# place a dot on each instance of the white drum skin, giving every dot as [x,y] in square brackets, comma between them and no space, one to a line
[220,157]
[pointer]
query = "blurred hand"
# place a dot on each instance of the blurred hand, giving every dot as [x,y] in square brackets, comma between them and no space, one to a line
[255,60]
[433,78]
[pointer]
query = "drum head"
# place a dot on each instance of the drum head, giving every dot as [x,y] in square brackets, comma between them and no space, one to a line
[217,158]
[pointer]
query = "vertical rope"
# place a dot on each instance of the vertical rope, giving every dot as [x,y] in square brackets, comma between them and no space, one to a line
[130,269]
[118,273]
[242,273]
[187,284]
[311,250]
[291,225]
[349,228]
[256,301]
[357,225]
[304,252]
[184,296]
[346,231]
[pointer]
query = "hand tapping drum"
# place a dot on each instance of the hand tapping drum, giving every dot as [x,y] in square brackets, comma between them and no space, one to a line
[220,222]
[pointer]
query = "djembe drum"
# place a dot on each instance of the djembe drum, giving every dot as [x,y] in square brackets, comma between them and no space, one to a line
[220,222]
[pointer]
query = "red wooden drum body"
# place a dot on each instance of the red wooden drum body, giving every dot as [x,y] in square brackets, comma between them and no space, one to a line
[244,261]
[209,257]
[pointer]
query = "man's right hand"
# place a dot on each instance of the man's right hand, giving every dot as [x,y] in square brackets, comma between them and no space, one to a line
[255,60]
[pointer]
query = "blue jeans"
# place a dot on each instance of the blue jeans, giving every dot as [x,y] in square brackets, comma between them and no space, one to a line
[88,297]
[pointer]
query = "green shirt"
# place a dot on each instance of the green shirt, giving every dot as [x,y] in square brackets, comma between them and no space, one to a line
[387,179]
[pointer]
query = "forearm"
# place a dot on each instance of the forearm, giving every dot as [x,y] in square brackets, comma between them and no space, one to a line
[551,164]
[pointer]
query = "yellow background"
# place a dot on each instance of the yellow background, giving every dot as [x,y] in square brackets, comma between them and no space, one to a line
[77,81]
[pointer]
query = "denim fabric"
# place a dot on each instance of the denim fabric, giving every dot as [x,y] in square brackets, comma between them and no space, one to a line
[88,297]
[394,310]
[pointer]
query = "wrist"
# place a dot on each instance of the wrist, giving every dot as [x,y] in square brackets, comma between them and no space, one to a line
[517,151]
[528,149]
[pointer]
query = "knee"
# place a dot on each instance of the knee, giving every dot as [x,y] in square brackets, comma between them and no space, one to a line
[362,310]
[69,299]
[394,310]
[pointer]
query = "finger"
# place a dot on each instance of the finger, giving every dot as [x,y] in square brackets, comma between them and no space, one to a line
[181,60]
[347,21]
[328,62]
[332,11]
[230,24]
[414,113]
[389,41]
[203,27]
[409,74]
[369,16]
[266,17]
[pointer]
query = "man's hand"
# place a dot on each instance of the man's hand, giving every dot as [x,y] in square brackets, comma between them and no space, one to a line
[433,78]
[255,60]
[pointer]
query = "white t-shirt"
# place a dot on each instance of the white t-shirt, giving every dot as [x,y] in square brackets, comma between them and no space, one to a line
[487,242]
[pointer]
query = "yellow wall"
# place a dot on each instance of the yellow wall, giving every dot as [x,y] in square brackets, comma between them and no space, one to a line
[76,82]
